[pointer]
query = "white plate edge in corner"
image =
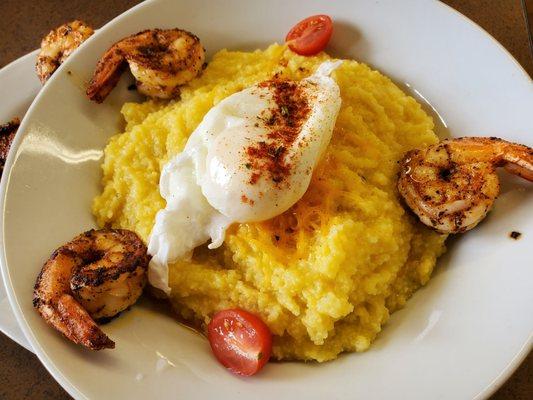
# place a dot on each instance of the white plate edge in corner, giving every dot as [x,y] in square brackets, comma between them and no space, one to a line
[15,309]
[15,105]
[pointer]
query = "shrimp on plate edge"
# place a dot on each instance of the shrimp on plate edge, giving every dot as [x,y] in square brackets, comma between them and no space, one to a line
[58,44]
[452,185]
[98,274]
[161,60]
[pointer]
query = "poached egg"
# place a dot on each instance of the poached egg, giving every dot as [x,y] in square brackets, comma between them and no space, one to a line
[250,159]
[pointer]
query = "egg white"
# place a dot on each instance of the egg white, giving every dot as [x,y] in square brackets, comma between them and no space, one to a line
[204,186]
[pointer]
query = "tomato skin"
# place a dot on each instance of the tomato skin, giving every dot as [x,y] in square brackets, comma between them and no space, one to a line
[311,35]
[240,341]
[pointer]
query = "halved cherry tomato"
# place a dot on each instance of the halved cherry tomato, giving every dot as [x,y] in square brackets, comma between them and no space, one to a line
[310,36]
[240,341]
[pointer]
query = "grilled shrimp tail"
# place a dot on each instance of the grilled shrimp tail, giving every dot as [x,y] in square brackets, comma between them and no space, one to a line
[106,74]
[520,171]
[59,309]
[71,319]
[519,161]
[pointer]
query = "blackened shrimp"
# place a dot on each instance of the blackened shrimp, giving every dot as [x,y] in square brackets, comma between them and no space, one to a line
[7,135]
[160,60]
[451,186]
[58,45]
[96,275]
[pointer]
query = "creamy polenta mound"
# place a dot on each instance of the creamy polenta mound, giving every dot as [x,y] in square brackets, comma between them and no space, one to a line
[326,274]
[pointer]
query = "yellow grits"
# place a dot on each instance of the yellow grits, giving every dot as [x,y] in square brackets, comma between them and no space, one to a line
[325,275]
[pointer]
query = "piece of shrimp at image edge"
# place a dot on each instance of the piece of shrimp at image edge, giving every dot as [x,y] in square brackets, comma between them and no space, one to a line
[451,186]
[58,45]
[160,60]
[98,274]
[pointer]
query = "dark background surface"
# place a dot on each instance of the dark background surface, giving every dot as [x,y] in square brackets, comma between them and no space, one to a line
[25,22]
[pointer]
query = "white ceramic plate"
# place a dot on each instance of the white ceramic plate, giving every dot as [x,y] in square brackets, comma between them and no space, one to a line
[18,87]
[458,338]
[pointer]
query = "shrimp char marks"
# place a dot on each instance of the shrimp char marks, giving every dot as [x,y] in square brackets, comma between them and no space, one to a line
[161,60]
[97,275]
[451,186]
[58,45]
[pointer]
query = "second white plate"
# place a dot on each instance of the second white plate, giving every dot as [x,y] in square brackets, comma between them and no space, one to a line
[18,87]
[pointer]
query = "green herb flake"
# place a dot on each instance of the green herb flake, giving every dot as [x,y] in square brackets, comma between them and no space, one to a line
[259,355]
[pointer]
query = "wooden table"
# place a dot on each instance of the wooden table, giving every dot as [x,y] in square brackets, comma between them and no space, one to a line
[24,22]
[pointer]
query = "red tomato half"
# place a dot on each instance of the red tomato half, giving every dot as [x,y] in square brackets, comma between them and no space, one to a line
[240,341]
[310,36]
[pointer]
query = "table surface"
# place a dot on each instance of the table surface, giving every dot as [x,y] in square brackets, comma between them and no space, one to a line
[21,374]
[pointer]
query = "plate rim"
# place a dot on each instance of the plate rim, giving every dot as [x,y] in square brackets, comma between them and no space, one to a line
[493,39]
[14,64]
[47,361]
